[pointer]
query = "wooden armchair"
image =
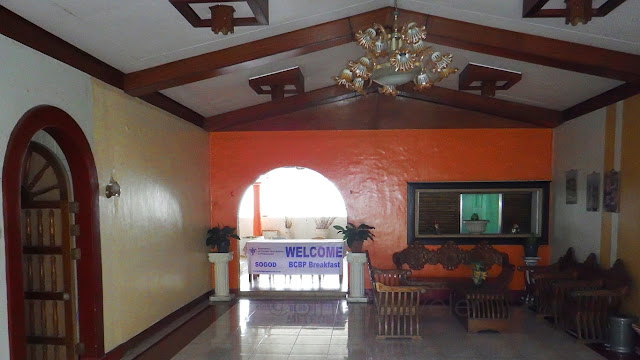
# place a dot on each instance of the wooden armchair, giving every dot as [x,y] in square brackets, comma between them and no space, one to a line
[397,305]
[585,307]
[545,276]
[398,311]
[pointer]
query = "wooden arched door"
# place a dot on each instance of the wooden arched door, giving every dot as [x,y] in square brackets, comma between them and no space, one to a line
[47,234]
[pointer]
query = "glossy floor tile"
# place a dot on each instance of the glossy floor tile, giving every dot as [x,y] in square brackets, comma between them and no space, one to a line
[334,329]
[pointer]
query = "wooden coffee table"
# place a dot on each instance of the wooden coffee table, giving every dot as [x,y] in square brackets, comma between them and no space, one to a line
[479,308]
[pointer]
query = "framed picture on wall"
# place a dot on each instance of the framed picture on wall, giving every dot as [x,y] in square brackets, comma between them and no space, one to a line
[571,186]
[593,191]
[611,191]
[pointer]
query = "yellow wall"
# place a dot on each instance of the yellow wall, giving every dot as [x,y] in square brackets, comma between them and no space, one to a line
[629,224]
[153,254]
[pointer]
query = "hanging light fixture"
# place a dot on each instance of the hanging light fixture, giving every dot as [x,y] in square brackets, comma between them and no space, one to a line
[395,58]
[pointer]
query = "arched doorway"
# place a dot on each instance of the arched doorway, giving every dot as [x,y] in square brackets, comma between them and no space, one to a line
[290,203]
[84,191]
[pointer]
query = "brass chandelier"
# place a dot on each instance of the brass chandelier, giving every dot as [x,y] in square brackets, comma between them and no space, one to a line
[394,59]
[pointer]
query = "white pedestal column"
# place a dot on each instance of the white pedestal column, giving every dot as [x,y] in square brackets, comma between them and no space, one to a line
[356,277]
[221,273]
[528,279]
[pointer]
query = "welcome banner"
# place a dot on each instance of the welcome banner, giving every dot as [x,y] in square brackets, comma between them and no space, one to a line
[293,257]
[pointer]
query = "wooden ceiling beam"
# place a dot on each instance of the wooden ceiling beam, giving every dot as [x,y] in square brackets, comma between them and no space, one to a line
[607,98]
[33,36]
[287,105]
[478,38]
[239,57]
[510,110]
[534,49]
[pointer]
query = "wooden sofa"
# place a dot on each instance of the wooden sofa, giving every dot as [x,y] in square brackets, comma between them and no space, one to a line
[543,276]
[579,297]
[478,308]
[582,306]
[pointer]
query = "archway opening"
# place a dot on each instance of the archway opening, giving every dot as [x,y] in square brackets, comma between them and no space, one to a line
[66,133]
[290,203]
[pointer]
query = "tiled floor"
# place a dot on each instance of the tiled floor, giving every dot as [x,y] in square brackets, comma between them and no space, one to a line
[333,329]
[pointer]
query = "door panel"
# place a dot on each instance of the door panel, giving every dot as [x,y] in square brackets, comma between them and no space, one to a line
[48,265]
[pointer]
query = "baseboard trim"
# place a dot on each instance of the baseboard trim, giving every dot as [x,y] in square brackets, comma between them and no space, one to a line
[119,351]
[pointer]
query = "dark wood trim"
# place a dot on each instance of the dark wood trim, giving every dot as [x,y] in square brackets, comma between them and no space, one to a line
[481,186]
[173,107]
[69,136]
[534,9]
[238,58]
[277,83]
[530,114]
[260,9]
[533,49]
[607,98]
[172,343]
[509,110]
[287,105]
[483,39]
[33,36]
[143,336]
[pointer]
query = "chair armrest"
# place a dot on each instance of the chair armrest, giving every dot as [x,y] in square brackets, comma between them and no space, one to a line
[538,268]
[554,276]
[392,277]
[577,284]
[600,292]
[380,287]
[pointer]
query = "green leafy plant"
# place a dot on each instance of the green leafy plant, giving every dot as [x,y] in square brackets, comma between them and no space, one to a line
[355,236]
[218,237]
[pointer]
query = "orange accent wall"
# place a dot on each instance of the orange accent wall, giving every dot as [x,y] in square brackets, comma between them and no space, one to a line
[371,169]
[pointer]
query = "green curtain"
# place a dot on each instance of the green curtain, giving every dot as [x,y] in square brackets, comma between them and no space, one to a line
[487,206]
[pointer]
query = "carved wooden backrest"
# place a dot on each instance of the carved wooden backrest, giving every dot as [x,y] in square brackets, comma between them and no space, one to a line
[567,261]
[589,269]
[617,277]
[487,255]
[449,255]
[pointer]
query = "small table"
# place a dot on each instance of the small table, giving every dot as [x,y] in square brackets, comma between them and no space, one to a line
[479,307]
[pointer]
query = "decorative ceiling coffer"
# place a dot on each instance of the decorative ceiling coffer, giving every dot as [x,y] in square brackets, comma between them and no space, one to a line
[576,11]
[277,83]
[490,78]
[222,19]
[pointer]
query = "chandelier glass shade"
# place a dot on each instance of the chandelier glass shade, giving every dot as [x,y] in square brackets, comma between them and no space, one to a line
[394,58]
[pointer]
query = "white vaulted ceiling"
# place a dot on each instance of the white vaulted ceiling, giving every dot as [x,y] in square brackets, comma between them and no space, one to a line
[133,35]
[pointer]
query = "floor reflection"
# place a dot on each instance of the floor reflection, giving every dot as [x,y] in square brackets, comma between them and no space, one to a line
[334,329]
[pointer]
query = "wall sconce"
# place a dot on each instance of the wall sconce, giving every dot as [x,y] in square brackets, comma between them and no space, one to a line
[112,189]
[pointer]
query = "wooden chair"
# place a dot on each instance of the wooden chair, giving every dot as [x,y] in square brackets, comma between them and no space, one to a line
[543,276]
[397,305]
[398,311]
[585,309]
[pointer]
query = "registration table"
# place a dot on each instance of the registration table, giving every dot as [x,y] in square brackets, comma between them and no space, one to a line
[295,256]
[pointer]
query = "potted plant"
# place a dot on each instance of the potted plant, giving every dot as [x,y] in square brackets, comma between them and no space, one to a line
[355,236]
[218,237]
[531,246]
[322,225]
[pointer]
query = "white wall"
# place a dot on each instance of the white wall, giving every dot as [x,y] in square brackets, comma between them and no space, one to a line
[28,79]
[577,145]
